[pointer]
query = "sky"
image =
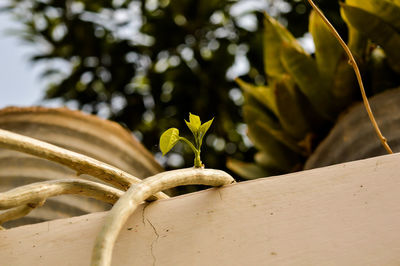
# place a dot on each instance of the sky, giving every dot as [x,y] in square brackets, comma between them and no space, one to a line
[19,80]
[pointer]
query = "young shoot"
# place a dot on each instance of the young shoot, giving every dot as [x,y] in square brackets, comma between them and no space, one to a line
[171,136]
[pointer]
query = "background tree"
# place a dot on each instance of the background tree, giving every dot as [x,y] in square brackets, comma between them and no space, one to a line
[147,64]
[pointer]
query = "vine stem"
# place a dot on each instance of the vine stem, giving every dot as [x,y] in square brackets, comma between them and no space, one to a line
[127,204]
[353,63]
[78,162]
[18,212]
[40,191]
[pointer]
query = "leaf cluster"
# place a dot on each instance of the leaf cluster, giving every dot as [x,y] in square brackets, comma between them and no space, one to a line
[305,93]
[171,136]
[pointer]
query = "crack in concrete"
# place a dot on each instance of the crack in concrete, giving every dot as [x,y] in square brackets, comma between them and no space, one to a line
[154,241]
[219,193]
[144,219]
[144,208]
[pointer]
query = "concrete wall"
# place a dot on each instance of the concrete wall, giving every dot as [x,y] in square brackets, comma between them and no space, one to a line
[347,214]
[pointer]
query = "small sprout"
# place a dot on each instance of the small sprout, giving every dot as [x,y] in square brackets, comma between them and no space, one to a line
[168,140]
[170,137]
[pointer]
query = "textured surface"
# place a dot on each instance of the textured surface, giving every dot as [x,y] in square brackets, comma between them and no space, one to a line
[346,214]
[353,137]
[101,139]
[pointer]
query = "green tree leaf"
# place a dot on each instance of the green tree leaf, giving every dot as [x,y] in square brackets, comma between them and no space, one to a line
[304,71]
[203,128]
[168,140]
[194,126]
[195,121]
[248,170]
[274,35]
[291,107]
[387,10]
[328,51]
[377,30]
[263,94]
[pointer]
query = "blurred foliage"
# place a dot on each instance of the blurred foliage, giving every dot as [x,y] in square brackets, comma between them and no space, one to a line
[146,64]
[304,93]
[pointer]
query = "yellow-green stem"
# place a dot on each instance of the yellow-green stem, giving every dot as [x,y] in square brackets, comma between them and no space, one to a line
[197,160]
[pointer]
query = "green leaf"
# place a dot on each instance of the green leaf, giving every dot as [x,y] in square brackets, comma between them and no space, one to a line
[396,2]
[204,127]
[194,125]
[195,121]
[248,170]
[304,70]
[382,76]
[328,51]
[260,121]
[377,30]
[274,35]
[267,160]
[344,86]
[192,128]
[386,10]
[357,41]
[264,141]
[291,107]
[168,140]
[263,94]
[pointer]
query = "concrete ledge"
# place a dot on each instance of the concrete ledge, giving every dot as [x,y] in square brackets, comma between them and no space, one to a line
[347,214]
